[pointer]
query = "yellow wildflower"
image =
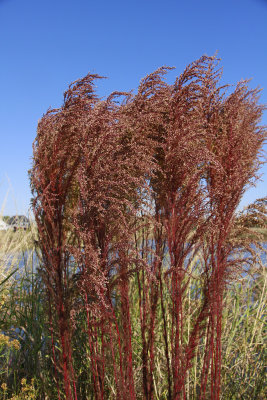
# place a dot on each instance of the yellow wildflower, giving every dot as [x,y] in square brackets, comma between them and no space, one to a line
[4,386]
[23,382]
[16,344]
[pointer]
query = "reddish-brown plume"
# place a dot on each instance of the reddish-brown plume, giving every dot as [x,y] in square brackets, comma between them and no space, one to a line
[135,199]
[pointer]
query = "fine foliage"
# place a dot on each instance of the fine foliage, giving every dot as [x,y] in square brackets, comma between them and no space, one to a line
[135,201]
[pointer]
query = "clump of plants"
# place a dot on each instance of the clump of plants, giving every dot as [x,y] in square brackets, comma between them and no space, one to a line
[27,392]
[135,201]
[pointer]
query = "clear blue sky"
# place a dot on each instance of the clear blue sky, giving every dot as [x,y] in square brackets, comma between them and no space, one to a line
[44,45]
